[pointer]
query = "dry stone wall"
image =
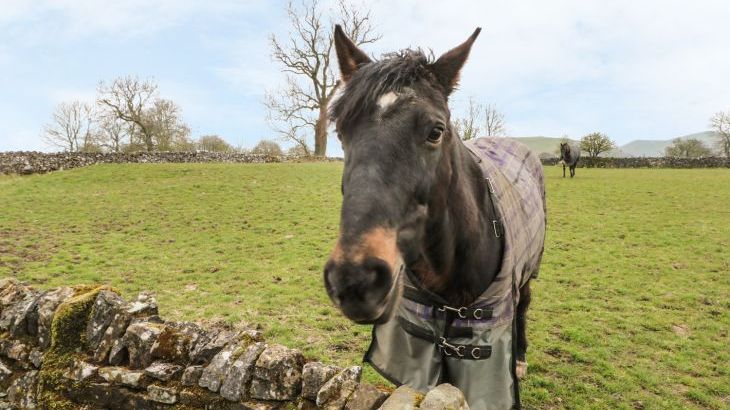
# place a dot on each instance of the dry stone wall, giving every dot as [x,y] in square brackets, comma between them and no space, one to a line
[86,347]
[646,162]
[39,162]
[28,162]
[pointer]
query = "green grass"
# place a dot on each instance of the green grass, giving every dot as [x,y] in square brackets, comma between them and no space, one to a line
[630,311]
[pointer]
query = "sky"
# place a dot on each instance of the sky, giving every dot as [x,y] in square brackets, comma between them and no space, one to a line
[650,69]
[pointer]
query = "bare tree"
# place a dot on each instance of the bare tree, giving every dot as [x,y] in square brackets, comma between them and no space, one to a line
[168,131]
[301,106]
[267,147]
[128,98]
[71,128]
[214,143]
[720,123]
[467,127]
[297,151]
[689,148]
[596,143]
[493,122]
[152,123]
[111,133]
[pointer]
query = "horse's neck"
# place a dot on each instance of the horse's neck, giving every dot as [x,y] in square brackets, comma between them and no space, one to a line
[462,251]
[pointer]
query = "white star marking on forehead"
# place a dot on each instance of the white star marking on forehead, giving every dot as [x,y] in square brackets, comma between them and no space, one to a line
[387,100]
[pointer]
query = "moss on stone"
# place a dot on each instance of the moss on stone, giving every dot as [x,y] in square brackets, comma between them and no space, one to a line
[68,340]
[418,398]
[243,345]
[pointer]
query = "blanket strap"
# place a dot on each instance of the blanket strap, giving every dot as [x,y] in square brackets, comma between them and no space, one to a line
[463,312]
[455,350]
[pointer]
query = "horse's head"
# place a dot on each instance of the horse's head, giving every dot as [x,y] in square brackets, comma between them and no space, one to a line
[564,150]
[392,118]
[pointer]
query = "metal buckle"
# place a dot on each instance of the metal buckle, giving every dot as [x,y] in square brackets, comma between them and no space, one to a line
[476,352]
[478,313]
[459,350]
[496,230]
[461,312]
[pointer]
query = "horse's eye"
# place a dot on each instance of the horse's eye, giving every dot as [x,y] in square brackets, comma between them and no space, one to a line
[435,135]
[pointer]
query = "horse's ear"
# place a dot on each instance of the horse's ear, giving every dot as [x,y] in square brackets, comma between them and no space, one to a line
[447,67]
[348,55]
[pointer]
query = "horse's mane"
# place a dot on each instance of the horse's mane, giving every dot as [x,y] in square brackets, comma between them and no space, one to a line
[393,72]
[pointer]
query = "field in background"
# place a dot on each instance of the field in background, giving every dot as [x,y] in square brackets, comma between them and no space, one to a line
[631,309]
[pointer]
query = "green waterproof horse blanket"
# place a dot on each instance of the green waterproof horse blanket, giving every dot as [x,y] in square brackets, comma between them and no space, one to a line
[428,343]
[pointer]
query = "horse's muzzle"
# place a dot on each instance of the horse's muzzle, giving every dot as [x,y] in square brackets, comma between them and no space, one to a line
[367,292]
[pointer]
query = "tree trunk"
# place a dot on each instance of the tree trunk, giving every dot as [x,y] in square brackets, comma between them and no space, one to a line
[320,132]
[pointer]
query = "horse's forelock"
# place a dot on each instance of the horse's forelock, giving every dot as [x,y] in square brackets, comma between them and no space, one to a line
[394,73]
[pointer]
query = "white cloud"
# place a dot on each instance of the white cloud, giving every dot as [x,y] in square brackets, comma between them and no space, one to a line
[122,18]
[649,69]
[656,65]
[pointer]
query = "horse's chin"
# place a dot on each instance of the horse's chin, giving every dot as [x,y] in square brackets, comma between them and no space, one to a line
[390,306]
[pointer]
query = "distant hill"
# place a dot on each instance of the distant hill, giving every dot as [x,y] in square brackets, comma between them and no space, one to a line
[541,145]
[655,148]
[637,148]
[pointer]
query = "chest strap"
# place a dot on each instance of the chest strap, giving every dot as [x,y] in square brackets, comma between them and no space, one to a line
[460,351]
[463,312]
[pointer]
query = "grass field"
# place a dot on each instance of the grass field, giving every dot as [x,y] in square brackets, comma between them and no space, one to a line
[631,309]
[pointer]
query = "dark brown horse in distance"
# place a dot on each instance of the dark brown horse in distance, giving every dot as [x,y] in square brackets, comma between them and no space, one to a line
[438,238]
[569,156]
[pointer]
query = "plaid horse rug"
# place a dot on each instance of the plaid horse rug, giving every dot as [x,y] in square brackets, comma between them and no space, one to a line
[418,348]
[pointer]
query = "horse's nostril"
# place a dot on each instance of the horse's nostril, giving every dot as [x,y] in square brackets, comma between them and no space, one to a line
[381,273]
[329,270]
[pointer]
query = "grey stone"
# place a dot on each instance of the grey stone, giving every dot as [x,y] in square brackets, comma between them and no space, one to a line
[444,397]
[44,312]
[366,397]
[132,378]
[104,396]
[278,374]
[239,374]
[106,306]
[36,358]
[173,344]
[5,373]
[403,398]
[334,394]
[81,371]
[14,317]
[163,371]
[22,313]
[22,392]
[14,349]
[161,394]
[113,334]
[207,347]
[16,301]
[111,374]
[314,376]
[215,372]
[118,353]
[191,375]
[139,339]
[144,305]
[123,376]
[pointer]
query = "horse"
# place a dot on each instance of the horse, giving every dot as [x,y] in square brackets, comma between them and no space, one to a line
[438,238]
[569,156]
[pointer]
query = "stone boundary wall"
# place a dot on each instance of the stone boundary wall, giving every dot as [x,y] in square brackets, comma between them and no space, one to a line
[646,162]
[85,347]
[31,162]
